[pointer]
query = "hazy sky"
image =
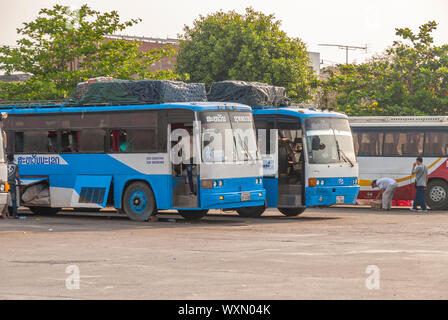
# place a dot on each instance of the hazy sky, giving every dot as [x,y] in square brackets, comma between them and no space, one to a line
[349,22]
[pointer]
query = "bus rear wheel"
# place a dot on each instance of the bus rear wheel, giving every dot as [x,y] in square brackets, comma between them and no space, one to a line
[251,212]
[291,212]
[436,195]
[139,202]
[192,214]
[44,211]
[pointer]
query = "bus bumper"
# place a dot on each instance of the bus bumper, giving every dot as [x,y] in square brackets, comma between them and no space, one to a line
[331,195]
[230,200]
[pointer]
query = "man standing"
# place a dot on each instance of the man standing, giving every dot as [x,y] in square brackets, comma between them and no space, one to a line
[421,181]
[387,189]
[13,176]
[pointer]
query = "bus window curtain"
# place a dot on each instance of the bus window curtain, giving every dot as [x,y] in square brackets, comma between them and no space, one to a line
[115,140]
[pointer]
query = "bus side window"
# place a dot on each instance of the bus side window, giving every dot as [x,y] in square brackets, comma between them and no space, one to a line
[32,142]
[69,140]
[92,140]
[436,144]
[142,140]
[263,129]
[9,142]
[119,141]
[368,143]
[52,141]
[18,142]
[124,141]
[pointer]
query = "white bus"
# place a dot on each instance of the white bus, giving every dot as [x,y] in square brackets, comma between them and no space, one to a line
[388,146]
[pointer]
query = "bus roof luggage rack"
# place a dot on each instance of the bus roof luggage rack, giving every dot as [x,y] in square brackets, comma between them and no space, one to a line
[136,92]
[249,93]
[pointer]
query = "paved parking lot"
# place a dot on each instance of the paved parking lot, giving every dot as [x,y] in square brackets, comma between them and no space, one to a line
[332,253]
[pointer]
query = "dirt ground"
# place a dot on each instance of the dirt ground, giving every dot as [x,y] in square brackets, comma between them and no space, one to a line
[331,253]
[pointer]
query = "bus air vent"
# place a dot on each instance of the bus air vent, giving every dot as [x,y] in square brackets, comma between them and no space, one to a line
[92,195]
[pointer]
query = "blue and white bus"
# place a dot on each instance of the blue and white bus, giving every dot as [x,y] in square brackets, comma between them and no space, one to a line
[308,159]
[90,157]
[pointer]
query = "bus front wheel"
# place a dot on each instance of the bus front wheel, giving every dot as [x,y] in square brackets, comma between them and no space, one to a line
[139,202]
[192,214]
[291,212]
[251,212]
[44,211]
[436,195]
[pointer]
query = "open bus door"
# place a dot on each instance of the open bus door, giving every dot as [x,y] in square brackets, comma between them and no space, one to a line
[291,167]
[184,172]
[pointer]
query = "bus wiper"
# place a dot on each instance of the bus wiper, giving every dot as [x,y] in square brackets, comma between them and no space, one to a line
[345,158]
[341,152]
[244,146]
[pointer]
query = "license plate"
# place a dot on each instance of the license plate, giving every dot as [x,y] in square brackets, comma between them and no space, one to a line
[245,196]
[339,199]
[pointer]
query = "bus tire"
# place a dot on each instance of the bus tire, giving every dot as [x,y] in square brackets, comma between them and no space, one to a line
[44,211]
[192,214]
[139,201]
[436,195]
[291,212]
[251,212]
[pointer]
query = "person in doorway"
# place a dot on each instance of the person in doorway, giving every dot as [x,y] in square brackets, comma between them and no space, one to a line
[387,187]
[189,166]
[421,181]
[13,176]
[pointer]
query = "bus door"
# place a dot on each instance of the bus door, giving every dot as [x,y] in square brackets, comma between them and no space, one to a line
[184,172]
[268,144]
[290,163]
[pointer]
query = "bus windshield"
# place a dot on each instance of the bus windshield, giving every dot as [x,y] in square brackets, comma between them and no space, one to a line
[329,140]
[228,136]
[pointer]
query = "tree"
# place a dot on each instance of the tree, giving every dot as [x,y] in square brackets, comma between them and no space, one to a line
[250,47]
[62,47]
[410,78]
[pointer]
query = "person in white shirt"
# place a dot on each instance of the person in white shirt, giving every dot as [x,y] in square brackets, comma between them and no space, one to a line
[387,187]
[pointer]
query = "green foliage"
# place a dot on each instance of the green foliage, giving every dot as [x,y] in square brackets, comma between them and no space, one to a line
[61,48]
[410,78]
[31,89]
[251,47]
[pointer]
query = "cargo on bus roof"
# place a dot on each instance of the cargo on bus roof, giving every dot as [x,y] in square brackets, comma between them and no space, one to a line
[115,91]
[249,93]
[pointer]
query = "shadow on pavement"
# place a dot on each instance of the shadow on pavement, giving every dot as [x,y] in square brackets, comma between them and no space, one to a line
[70,221]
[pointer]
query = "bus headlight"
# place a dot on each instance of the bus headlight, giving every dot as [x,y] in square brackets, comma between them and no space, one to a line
[220,183]
[355,181]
